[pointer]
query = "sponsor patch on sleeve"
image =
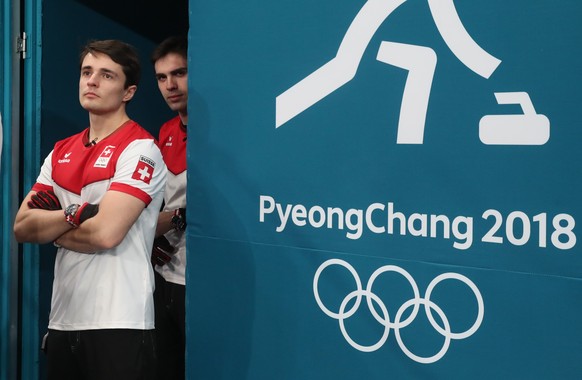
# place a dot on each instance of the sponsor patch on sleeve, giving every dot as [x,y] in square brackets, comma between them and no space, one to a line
[144,169]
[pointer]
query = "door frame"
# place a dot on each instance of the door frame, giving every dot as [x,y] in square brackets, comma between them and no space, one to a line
[10,170]
[30,346]
[19,264]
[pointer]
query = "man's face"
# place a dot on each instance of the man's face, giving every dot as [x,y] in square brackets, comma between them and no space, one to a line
[172,76]
[101,85]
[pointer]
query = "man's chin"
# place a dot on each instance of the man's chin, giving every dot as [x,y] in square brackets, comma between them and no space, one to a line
[94,110]
[176,105]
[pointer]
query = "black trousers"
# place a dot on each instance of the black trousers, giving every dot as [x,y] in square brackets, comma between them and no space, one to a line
[169,301]
[109,354]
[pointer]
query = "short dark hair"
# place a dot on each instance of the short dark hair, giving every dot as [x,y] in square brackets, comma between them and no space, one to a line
[121,53]
[174,44]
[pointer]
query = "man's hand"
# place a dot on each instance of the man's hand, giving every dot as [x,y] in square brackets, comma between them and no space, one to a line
[45,200]
[162,251]
[76,214]
[179,219]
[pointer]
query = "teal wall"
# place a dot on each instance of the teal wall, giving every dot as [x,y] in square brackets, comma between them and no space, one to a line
[264,301]
[281,287]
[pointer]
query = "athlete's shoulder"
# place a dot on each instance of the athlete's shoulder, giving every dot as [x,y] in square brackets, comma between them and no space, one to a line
[71,139]
[70,142]
[135,131]
[170,125]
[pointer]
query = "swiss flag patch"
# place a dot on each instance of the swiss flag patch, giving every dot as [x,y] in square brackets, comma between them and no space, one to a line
[144,170]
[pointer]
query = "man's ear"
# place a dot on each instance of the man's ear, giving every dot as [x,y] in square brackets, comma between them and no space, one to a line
[129,92]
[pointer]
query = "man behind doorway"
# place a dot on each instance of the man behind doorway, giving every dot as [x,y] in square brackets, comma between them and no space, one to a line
[170,60]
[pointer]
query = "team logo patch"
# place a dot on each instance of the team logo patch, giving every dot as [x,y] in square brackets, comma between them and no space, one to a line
[144,169]
[104,157]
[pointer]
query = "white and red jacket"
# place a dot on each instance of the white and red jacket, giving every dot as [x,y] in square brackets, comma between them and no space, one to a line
[172,142]
[112,288]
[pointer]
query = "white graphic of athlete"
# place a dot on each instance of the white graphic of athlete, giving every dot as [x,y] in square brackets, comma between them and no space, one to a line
[420,61]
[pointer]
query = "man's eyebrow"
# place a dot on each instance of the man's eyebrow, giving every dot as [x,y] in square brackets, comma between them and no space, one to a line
[102,70]
[173,72]
[108,71]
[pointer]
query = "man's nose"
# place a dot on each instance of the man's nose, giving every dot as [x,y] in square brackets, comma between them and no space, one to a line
[171,83]
[92,81]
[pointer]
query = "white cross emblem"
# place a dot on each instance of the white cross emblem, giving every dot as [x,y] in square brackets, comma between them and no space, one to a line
[144,173]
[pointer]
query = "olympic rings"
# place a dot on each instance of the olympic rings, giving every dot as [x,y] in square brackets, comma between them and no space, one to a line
[398,324]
